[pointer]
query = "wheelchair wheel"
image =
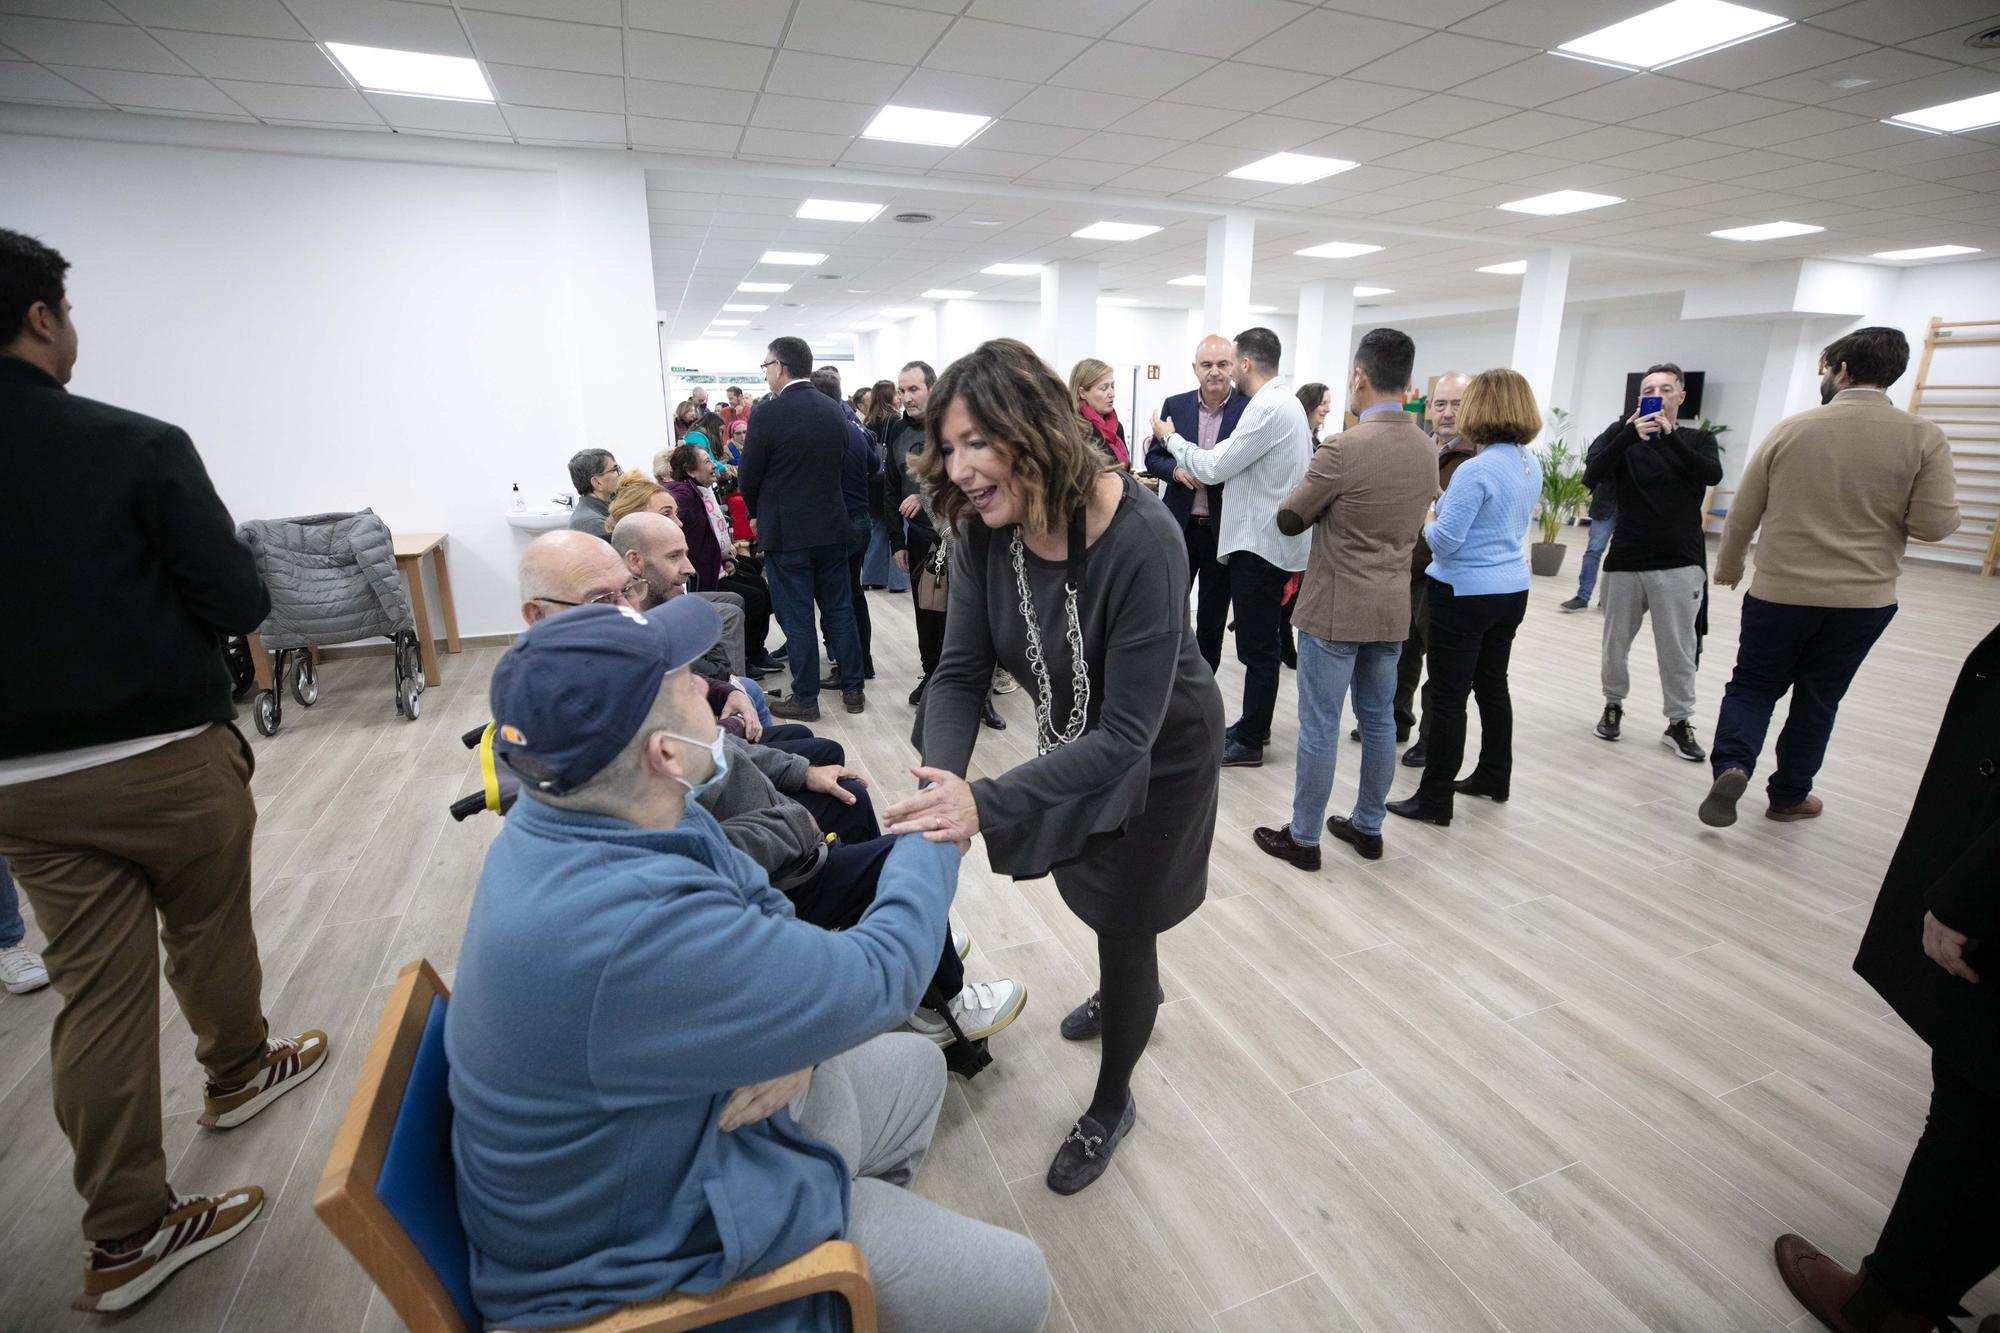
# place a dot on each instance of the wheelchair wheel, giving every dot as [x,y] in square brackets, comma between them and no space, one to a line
[407,702]
[305,680]
[264,712]
[410,661]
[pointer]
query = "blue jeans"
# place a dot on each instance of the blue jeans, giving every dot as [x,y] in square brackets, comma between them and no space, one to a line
[12,929]
[799,579]
[1593,552]
[1326,672]
[1813,651]
[878,568]
[758,702]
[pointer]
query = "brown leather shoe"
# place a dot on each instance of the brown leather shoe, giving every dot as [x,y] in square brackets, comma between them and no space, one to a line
[1809,808]
[1845,1302]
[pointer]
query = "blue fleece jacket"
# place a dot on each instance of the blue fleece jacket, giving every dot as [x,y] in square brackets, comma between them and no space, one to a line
[1477,540]
[616,984]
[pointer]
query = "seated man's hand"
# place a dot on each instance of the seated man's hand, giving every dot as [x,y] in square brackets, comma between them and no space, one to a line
[944,811]
[740,708]
[828,777]
[761,1101]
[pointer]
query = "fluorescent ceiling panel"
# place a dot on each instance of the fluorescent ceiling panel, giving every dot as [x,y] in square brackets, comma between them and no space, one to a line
[1562,201]
[1766,231]
[1292,168]
[836,210]
[1115,231]
[1191,280]
[939,129]
[1672,33]
[1373,291]
[1512,268]
[799,257]
[1950,117]
[1928,252]
[949,294]
[727,323]
[747,309]
[1337,250]
[413,73]
[1011,270]
[763,286]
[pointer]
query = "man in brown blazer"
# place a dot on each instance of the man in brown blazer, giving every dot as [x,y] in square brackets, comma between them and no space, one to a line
[1364,496]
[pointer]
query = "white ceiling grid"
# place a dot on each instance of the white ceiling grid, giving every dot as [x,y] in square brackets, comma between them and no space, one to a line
[1451,107]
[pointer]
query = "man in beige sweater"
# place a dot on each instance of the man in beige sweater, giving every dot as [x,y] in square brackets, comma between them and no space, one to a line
[1838,491]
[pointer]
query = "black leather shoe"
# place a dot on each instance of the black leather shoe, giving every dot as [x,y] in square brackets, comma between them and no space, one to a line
[1086,1021]
[1087,1151]
[1413,808]
[854,700]
[1278,842]
[793,711]
[991,716]
[1478,786]
[1235,754]
[1416,756]
[1368,844]
[917,691]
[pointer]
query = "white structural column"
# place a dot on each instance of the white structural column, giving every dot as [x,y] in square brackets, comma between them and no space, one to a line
[1069,313]
[1225,301]
[1326,332]
[1538,330]
[1789,384]
[606,250]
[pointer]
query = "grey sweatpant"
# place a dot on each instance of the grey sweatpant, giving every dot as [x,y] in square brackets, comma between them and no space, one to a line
[728,654]
[931,1268]
[1674,598]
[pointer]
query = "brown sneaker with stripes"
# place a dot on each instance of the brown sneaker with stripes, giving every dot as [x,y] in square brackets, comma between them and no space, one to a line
[117,1279]
[288,1062]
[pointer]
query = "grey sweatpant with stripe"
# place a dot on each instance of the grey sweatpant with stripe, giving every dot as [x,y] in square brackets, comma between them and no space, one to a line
[932,1268]
[1673,596]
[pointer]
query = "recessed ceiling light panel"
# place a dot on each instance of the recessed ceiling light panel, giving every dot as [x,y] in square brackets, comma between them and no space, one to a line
[949,294]
[1337,250]
[414,73]
[1011,270]
[1292,168]
[1927,252]
[836,210]
[939,129]
[727,323]
[1950,117]
[1373,291]
[803,258]
[763,286]
[1191,280]
[1672,33]
[1263,310]
[1766,231]
[1115,231]
[1562,201]
[1512,268]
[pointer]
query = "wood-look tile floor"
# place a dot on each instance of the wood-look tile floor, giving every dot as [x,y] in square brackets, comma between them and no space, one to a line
[1569,1064]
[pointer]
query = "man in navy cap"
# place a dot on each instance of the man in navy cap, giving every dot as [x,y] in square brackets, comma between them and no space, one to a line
[698,1088]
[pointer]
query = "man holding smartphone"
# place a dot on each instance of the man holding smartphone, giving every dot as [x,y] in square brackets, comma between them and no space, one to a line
[1658,561]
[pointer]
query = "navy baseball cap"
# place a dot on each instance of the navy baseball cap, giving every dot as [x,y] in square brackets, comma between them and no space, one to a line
[572,691]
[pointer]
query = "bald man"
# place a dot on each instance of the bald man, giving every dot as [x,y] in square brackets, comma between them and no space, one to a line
[1205,414]
[1446,399]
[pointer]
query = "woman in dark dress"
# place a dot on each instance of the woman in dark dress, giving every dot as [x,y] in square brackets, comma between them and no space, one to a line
[1070,575]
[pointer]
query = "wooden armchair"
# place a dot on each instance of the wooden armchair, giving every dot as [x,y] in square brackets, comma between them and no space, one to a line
[389,1196]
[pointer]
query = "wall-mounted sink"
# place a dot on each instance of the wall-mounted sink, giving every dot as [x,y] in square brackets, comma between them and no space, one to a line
[540,518]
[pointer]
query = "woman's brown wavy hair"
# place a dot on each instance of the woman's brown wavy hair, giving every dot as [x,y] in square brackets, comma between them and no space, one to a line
[1023,407]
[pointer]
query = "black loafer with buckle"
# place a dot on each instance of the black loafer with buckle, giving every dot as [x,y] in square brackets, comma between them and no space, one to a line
[1087,1151]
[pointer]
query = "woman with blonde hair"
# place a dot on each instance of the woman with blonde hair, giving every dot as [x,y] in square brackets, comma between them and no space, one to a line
[1070,575]
[638,493]
[1478,594]
[1093,386]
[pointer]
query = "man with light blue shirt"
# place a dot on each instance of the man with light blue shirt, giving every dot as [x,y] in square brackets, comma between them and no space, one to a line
[696,1089]
[1262,460]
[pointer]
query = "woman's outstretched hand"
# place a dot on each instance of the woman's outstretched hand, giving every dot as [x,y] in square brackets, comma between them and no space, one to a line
[942,812]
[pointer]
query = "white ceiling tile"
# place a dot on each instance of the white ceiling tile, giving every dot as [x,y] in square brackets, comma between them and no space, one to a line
[1175,120]
[513,40]
[1765,58]
[1523,129]
[1267,133]
[1430,13]
[1544,23]
[1363,145]
[553,123]
[1210,159]
[1893,21]
[244,18]
[898,156]
[1241,87]
[1856,139]
[518,85]
[1075,107]
[863,30]
[1013,136]
[776,112]
[1930,90]
[685,101]
[1192,25]
[1628,99]
[755,22]
[1510,166]
[1714,112]
[974,46]
[1598,144]
[1142,71]
[835,78]
[1882,66]
[440,115]
[1326,41]
[939,90]
[1736,166]
[259,58]
[1798,123]
[792,144]
[1068,171]
[1444,59]
[281,101]
[1157,179]
[1537,81]
[1435,157]
[1440,115]
[610,12]
[433,29]
[1951,42]
[682,136]
[1131,149]
[23,82]
[95,45]
[1349,101]
[671,59]
[1087,18]
[91,11]
[990,162]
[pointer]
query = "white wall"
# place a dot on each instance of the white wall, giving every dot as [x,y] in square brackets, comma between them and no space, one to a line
[335,333]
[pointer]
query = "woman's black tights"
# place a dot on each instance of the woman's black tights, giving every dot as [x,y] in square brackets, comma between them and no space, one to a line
[1129,1000]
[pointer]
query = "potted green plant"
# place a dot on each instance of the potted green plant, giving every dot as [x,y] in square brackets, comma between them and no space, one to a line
[1563,494]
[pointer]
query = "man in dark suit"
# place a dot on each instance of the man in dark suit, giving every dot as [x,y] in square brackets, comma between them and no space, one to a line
[1205,415]
[791,481]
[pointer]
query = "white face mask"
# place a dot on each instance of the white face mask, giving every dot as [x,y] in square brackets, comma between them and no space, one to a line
[716,752]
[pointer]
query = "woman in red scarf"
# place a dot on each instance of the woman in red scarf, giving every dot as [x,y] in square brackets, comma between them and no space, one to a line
[1095,388]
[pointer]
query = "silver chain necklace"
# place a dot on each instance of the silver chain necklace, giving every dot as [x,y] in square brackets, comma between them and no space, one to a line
[1047,738]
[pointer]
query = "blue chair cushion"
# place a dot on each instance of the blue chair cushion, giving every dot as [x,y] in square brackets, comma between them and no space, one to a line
[417,1184]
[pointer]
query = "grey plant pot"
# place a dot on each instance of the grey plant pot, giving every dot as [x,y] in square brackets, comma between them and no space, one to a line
[1546,558]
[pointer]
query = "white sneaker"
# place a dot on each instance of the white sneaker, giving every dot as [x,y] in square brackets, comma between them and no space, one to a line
[1003,683]
[981,1009]
[21,970]
[961,941]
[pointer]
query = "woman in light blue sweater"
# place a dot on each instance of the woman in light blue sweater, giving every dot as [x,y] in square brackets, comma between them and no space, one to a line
[1478,594]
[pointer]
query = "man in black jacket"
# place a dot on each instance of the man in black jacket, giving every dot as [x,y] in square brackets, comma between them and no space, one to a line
[125,806]
[791,481]
[1658,561]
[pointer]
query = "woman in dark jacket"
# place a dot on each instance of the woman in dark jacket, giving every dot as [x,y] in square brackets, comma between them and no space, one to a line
[1928,951]
[691,475]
